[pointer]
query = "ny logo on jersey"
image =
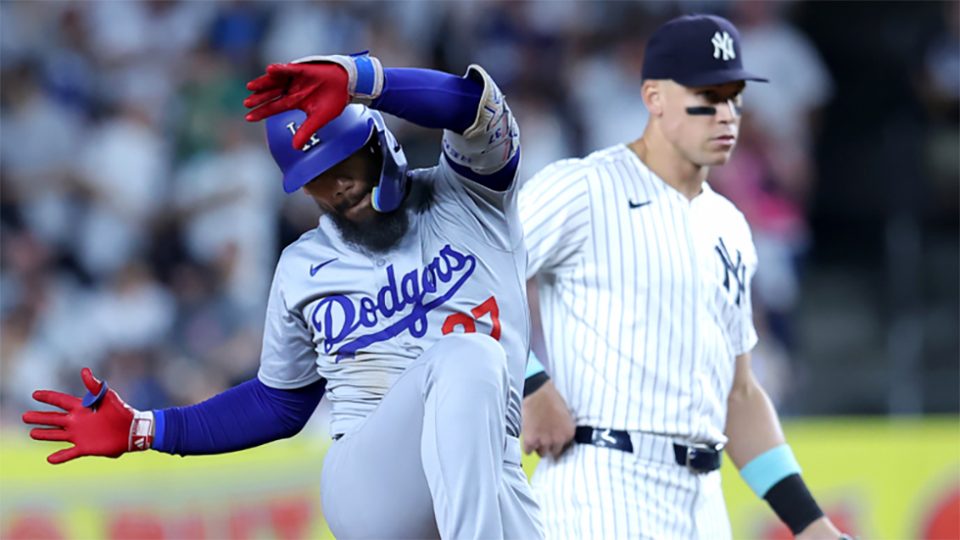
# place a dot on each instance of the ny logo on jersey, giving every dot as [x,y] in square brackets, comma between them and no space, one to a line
[737,269]
[723,46]
[292,128]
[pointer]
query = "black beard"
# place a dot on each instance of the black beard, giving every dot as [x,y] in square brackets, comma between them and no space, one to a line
[378,235]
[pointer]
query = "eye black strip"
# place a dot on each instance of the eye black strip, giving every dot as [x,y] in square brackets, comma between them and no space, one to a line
[709,111]
[701,111]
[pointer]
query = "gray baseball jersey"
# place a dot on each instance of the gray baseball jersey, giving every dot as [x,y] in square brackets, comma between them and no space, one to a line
[645,302]
[359,321]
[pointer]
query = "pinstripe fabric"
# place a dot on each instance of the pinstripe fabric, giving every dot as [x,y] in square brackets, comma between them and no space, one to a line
[644,298]
[592,492]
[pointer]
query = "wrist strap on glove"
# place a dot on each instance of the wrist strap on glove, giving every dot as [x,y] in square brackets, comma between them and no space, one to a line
[365,74]
[141,427]
[141,431]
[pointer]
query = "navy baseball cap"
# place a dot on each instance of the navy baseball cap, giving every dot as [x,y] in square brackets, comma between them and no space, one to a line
[696,50]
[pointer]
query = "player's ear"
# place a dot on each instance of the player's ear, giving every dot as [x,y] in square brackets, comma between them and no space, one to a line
[652,93]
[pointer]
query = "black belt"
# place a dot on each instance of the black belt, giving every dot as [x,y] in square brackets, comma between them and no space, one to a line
[699,459]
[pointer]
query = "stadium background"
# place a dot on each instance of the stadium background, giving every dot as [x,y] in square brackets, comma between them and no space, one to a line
[140,219]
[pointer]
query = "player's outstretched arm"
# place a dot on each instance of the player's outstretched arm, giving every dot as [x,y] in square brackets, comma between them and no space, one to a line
[481,135]
[758,448]
[101,424]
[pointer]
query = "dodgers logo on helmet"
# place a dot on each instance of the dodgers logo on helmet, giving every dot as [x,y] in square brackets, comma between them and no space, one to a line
[333,143]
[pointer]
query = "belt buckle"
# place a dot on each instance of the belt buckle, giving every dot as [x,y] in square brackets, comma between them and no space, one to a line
[693,451]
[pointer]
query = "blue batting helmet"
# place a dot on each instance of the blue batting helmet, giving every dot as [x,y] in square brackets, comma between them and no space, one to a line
[336,141]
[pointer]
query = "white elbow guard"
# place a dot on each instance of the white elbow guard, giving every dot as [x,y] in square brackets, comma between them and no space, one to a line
[493,138]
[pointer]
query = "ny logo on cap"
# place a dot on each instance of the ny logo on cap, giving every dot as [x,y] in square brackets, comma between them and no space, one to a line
[723,45]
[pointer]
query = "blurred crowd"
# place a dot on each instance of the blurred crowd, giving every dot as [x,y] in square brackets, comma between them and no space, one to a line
[141,216]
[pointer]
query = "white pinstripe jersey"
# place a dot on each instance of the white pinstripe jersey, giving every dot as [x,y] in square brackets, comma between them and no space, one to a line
[644,294]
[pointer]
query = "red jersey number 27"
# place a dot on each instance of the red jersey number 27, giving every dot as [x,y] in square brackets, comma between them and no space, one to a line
[469,324]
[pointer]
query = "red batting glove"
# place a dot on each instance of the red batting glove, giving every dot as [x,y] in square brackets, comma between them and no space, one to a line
[318,89]
[99,425]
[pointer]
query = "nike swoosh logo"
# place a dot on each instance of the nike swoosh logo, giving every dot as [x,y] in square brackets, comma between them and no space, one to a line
[316,268]
[634,205]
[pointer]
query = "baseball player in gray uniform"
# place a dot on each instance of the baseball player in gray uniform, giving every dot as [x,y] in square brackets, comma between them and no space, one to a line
[643,274]
[406,307]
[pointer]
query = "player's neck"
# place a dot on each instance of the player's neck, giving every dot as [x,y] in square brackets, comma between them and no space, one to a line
[663,160]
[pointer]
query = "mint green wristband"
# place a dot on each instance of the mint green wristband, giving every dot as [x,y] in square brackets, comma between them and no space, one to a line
[533,366]
[764,471]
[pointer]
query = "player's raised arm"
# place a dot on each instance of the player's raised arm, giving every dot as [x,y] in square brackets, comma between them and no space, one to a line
[481,139]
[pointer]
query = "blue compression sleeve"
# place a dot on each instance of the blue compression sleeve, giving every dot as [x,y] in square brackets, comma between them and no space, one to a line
[439,100]
[498,181]
[430,98]
[244,416]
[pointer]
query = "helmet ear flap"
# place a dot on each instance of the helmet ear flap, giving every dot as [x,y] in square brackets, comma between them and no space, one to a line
[392,187]
[374,156]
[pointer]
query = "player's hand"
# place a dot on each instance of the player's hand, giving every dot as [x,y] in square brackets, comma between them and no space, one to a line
[99,425]
[548,426]
[821,529]
[318,89]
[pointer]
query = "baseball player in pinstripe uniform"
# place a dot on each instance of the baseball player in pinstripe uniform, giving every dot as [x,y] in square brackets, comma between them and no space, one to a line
[405,306]
[643,276]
